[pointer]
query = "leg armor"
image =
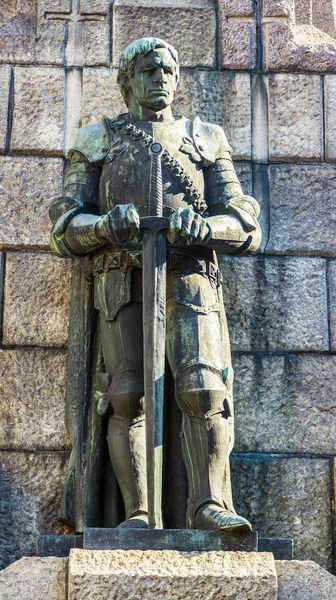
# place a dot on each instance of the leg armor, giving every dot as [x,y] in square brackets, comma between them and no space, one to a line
[127,441]
[202,397]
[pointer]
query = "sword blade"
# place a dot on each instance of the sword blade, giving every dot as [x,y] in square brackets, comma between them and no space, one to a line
[154,329]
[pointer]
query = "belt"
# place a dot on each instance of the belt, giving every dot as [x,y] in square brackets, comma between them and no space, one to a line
[176,261]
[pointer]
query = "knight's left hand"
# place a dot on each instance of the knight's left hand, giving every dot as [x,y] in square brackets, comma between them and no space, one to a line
[187,227]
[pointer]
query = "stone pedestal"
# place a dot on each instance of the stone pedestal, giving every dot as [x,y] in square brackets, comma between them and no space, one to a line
[122,575]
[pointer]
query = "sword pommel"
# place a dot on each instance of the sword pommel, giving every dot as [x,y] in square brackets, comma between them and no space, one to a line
[156,191]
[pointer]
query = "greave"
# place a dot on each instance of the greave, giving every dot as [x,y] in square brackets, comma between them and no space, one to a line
[205,449]
[127,448]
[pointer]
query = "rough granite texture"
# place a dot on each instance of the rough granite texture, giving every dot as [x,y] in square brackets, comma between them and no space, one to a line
[330,116]
[302,215]
[285,404]
[103,575]
[38,110]
[237,34]
[222,98]
[101,95]
[96,43]
[35,579]
[5,75]
[276,303]
[37,299]
[295,117]
[304,581]
[178,22]
[27,185]
[32,395]
[27,37]
[332,303]
[288,498]
[30,495]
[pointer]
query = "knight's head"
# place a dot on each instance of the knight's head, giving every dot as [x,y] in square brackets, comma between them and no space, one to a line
[148,73]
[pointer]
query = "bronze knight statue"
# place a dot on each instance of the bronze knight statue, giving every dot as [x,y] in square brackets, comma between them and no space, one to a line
[107,192]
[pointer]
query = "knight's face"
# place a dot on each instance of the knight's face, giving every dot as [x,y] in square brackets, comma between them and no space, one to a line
[155,79]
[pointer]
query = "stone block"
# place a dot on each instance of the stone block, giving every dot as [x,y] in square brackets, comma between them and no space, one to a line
[5,77]
[285,404]
[244,172]
[37,299]
[237,34]
[294,36]
[302,215]
[34,578]
[32,400]
[188,25]
[276,303]
[302,580]
[171,574]
[288,498]
[38,110]
[332,304]
[222,98]
[101,95]
[27,185]
[30,494]
[96,43]
[295,117]
[27,37]
[330,116]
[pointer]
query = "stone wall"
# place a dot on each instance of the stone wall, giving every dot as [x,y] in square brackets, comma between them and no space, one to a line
[266,71]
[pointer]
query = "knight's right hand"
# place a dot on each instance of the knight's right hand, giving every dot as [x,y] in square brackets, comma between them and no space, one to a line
[120,225]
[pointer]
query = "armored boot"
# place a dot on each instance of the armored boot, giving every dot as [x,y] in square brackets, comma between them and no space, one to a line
[205,445]
[127,446]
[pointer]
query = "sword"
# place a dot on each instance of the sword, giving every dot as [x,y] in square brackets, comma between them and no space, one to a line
[154,333]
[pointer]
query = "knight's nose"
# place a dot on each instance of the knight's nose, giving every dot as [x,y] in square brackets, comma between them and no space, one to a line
[159,75]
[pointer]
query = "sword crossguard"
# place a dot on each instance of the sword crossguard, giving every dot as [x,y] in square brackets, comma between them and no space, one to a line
[155,224]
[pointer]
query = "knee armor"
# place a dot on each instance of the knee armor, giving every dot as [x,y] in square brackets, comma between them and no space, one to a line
[201,392]
[126,394]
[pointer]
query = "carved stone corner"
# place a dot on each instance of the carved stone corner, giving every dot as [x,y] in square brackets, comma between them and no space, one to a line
[299,35]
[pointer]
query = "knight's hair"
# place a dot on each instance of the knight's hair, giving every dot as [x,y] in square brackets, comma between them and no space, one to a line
[129,55]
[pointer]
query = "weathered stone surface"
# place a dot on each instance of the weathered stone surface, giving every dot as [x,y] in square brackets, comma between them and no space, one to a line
[101,95]
[5,75]
[179,22]
[302,215]
[27,185]
[27,37]
[285,404]
[244,172]
[171,574]
[32,397]
[294,36]
[37,299]
[34,578]
[96,43]
[222,98]
[276,303]
[30,495]
[237,34]
[330,116]
[302,580]
[288,498]
[38,110]
[332,304]
[295,119]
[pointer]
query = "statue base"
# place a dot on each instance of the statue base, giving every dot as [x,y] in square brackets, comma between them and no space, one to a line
[183,540]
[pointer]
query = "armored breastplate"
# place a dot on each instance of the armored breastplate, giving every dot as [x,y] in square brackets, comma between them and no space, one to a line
[126,172]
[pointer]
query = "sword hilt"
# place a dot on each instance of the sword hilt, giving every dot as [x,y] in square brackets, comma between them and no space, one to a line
[155,190]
